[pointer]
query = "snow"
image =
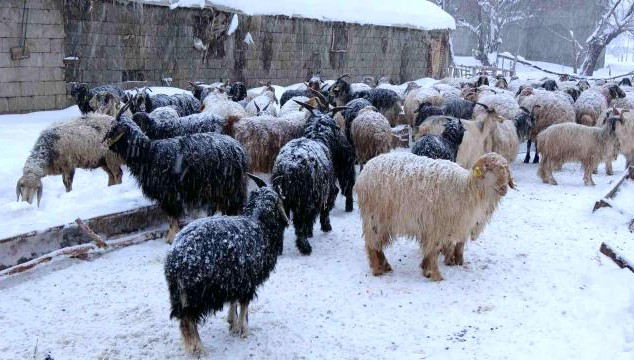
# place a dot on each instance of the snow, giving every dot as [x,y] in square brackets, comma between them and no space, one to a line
[534,285]
[248,39]
[417,14]
[233,26]
[163,90]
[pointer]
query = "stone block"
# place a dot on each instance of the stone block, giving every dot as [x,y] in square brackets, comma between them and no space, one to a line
[10,89]
[32,88]
[4,105]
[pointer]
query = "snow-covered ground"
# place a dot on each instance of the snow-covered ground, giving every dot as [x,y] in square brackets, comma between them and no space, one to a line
[534,287]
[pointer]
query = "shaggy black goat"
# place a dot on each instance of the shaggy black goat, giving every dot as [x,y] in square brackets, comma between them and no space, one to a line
[168,128]
[386,101]
[309,92]
[188,172]
[305,173]
[550,85]
[425,110]
[82,95]
[460,108]
[184,104]
[625,82]
[524,122]
[224,259]
[343,158]
[444,146]
[237,92]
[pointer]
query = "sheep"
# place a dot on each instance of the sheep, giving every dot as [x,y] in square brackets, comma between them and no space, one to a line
[192,124]
[219,104]
[444,146]
[456,204]
[224,259]
[572,142]
[593,103]
[552,109]
[184,104]
[63,147]
[263,101]
[187,172]
[82,95]
[305,173]
[371,135]
[107,103]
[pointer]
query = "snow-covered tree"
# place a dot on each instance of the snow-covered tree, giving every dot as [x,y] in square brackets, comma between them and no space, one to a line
[492,19]
[617,19]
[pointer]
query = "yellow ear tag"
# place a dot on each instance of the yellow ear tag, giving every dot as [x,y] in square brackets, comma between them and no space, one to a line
[477,172]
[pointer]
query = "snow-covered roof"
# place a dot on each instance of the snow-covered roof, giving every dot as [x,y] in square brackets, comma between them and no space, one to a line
[417,14]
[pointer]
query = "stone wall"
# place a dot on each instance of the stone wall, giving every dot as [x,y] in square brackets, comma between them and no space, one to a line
[129,44]
[37,82]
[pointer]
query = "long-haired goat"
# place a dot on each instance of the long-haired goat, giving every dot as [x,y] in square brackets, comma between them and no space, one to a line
[64,147]
[198,171]
[436,202]
[184,104]
[371,135]
[305,173]
[224,259]
[570,142]
[82,95]
[593,103]
[444,146]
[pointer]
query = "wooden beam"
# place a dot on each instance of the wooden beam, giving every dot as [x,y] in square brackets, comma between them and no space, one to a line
[623,263]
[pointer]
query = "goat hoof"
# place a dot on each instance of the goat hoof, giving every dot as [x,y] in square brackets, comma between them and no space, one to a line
[433,275]
[326,228]
[526,160]
[303,246]
[349,208]
[609,173]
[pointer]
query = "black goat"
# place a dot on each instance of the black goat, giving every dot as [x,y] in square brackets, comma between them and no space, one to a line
[184,104]
[524,122]
[460,108]
[425,110]
[162,129]
[444,146]
[82,95]
[305,173]
[224,259]
[237,92]
[196,171]
[550,85]
[386,101]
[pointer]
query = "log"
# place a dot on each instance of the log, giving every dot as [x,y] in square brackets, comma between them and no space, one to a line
[612,193]
[91,234]
[84,249]
[623,263]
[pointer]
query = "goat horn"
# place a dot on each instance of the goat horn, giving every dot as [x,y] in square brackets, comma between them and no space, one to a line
[306,106]
[343,76]
[257,108]
[335,110]
[484,106]
[123,109]
[319,95]
[267,106]
[258,181]
[524,110]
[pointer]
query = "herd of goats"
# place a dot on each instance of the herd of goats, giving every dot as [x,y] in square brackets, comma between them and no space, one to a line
[198,152]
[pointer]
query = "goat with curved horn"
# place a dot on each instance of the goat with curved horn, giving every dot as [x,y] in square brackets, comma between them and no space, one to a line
[257,180]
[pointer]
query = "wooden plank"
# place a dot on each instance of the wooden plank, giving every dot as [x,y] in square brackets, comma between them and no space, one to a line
[623,263]
[25,247]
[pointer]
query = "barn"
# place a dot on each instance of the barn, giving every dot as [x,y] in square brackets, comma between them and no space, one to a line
[51,43]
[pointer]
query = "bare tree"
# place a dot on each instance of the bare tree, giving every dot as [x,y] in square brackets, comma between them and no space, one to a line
[617,19]
[493,17]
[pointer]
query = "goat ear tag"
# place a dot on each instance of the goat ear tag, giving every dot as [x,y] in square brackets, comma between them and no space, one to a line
[477,172]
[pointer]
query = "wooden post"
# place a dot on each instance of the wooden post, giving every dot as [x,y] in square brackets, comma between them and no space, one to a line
[623,263]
